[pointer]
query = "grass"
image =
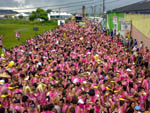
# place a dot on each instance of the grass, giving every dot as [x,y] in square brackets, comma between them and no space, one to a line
[9,28]
[13,21]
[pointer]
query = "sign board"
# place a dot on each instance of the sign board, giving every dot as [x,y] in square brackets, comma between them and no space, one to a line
[115,27]
[121,19]
[82,24]
[115,19]
[35,29]
[126,26]
[61,22]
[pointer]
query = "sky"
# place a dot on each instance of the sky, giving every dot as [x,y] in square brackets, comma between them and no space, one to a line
[74,7]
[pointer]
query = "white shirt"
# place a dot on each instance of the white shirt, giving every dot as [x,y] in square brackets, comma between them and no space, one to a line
[141,45]
[58,108]
[134,49]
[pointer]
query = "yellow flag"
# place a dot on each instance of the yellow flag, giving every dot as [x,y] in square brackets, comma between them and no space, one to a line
[65,36]
[50,60]
[112,81]
[36,75]
[11,87]
[4,96]
[116,91]
[51,78]
[122,99]
[96,57]
[96,87]
[34,59]
[73,18]
[6,67]
[2,55]
[108,88]
[11,64]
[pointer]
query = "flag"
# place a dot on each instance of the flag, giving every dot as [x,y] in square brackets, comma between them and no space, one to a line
[65,36]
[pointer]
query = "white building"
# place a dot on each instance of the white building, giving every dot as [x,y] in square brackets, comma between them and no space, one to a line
[61,15]
[2,16]
[24,15]
[96,19]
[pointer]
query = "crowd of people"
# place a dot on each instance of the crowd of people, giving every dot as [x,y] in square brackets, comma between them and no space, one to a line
[75,69]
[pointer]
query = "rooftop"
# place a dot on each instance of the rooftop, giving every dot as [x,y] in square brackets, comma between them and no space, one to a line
[139,7]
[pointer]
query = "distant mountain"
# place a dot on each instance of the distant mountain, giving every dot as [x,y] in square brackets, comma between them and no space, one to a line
[2,12]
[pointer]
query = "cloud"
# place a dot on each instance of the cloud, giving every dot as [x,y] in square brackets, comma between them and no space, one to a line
[40,3]
[26,8]
[20,1]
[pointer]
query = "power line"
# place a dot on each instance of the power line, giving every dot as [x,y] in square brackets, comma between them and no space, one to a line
[85,4]
[55,5]
[108,2]
[93,2]
[63,5]
[103,6]
[74,5]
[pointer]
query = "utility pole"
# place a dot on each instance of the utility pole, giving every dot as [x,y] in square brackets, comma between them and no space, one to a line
[103,7]
[83,11]
[59,13]
[92,10]
[100,9]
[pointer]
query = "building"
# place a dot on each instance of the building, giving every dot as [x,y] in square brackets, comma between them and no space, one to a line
[23,15]
[132,20]
[96,19]
[61,15]
[2,16]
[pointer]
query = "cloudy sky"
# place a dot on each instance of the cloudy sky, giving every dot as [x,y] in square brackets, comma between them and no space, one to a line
[73,6]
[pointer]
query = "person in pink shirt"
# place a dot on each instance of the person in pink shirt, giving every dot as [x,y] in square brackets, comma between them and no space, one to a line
[74,70]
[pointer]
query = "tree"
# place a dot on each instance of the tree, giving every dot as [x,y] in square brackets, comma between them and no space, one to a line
[20,16]
[87,15]
[74,14]
[32,16]
[49,10]
[39,13]
[42,14]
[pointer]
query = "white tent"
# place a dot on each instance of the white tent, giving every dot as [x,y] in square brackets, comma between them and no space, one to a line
[57,15]
[22,14]
[25,16]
